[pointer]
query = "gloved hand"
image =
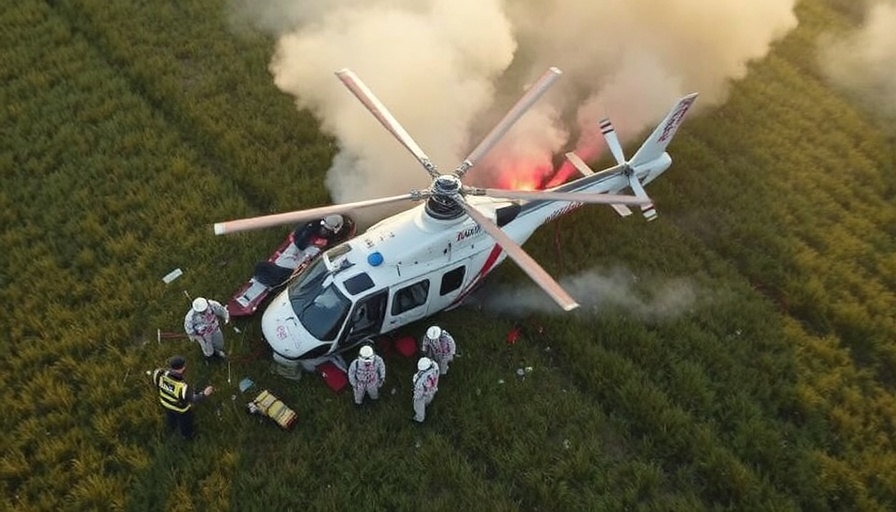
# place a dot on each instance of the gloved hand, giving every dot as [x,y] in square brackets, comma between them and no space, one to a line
[227,319]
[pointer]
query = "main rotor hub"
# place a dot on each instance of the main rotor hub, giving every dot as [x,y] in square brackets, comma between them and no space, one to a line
[440,204]
[446,184]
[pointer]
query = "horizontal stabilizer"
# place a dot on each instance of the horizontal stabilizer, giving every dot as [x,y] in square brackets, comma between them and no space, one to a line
[622,210]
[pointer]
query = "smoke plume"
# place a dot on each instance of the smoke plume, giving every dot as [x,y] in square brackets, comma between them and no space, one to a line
[448,69]
[596,291]
[863,62]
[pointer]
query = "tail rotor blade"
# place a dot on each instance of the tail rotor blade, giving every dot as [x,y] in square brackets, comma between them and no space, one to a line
[609,132]
[532,94]
[647,207]
[517,254]
[379,110]
[280,219]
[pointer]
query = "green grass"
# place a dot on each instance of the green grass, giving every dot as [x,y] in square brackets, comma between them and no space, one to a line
[129,127]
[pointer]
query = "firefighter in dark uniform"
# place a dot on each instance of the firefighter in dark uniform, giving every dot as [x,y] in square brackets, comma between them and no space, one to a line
[176,397]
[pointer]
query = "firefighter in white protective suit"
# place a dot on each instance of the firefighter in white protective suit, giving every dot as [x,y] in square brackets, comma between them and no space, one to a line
[426,384]
[202,326]
[439,345]
[366,374]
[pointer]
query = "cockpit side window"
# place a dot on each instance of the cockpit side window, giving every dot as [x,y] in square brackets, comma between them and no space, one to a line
[410,297]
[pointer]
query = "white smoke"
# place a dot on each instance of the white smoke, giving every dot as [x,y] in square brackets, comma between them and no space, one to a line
[596,291]
[447,69]
[863,62]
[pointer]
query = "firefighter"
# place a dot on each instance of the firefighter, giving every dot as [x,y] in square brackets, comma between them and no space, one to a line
[315,236]
[426,384]
[202,326]
[439,345]
[176,397]
[367,374]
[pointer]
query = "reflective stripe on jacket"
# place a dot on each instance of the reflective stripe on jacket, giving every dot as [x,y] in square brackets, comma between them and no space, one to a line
[172,391]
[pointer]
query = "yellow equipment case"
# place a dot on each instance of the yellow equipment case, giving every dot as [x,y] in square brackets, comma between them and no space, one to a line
[272,407]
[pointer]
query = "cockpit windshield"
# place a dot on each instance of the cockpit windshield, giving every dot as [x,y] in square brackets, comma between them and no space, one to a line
[319,305]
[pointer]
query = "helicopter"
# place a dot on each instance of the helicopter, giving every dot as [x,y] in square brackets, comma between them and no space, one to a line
[430,257]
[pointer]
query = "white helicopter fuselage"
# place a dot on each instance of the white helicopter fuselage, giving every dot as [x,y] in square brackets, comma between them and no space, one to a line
[407,267]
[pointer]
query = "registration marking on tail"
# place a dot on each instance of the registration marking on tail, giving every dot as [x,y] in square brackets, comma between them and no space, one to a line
[677,117]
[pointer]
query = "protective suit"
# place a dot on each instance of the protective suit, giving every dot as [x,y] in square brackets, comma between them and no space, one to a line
[366,374]
[202,326]
[426,384]
[439,346]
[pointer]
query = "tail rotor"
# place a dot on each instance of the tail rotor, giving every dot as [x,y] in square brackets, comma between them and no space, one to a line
[609,133]
[649,161]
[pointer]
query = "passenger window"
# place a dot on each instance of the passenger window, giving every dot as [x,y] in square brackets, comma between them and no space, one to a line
[452,280]
[410,297]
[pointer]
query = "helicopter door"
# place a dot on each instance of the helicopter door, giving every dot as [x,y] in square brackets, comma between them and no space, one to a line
[366,319]
[409,303]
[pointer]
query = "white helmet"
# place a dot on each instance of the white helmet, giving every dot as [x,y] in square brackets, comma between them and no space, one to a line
[424,364]
[332,222]
[434,332]
[366,353]
[200,304]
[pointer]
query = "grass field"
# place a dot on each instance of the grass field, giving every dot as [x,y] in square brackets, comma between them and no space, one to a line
[128,128]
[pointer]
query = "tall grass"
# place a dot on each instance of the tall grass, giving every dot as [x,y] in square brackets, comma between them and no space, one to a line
[129,127]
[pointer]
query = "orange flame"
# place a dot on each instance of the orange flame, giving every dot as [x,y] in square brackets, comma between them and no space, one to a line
[521,175]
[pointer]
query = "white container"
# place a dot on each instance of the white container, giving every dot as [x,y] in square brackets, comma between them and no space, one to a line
[171,276]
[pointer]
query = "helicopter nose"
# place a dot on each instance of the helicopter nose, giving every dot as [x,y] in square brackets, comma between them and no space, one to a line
[280,327]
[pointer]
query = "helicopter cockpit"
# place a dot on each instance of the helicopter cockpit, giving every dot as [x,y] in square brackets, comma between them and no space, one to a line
[326,309]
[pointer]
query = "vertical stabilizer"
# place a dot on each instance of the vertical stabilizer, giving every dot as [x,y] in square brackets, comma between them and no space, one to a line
[655,145]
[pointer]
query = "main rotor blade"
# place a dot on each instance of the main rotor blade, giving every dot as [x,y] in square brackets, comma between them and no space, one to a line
[278,219]
[606,128]
[376,107]
[578,197]
[524,103]
[517,254]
